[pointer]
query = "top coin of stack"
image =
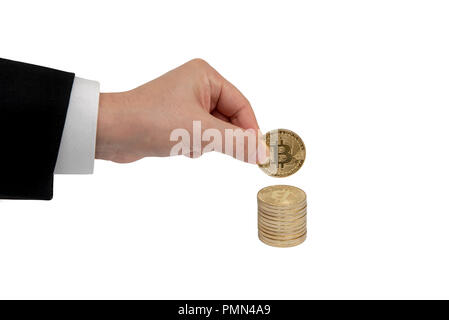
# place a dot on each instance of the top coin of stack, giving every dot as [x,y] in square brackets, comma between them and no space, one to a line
[282,217]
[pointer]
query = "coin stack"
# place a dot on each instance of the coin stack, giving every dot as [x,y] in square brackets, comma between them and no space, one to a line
[282,216]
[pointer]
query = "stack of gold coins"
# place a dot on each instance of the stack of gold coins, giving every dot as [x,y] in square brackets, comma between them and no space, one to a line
[282,216]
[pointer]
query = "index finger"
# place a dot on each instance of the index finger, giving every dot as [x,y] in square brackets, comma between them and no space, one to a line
[233,104]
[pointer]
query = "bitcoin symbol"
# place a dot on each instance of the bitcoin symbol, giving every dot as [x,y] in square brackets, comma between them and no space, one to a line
[287,153]
[280,195]
[284,154]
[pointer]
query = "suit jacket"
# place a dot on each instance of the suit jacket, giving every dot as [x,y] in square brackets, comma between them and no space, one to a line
[33,108]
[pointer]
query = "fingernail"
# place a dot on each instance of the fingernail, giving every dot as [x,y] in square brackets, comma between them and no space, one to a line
[263,153]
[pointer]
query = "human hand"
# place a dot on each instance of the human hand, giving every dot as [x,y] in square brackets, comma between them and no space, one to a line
[138,123]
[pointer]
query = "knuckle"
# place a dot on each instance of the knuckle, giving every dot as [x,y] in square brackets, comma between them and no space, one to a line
[198,62]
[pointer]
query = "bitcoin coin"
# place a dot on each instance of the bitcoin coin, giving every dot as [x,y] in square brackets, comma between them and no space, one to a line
[280,220]
[283,237]
[287,153]
[285,225]
[281,232]
[282,215]
[283,208]
[282,243]
[282,196]
[282,226]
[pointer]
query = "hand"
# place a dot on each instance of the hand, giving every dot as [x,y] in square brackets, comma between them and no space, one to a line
[138,123]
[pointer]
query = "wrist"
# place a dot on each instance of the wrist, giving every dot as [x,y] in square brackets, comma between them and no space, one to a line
[108,125]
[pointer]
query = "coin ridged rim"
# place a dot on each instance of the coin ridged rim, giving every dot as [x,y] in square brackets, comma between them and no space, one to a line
[282,209]
[281,185]
[283,221]
[284,227]
[281,215]
[282,218]
[277,228]
[298,206]
[286,245]
[291,238]
[294,169]
[283,244]
[282,231]
[281,240]
[277,232]
[284,236]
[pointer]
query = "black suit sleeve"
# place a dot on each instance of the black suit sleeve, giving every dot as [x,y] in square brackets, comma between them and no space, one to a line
[33,108]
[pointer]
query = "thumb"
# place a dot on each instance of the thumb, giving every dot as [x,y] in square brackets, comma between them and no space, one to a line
[243,144]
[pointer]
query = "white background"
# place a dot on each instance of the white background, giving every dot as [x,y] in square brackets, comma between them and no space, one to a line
[364,83]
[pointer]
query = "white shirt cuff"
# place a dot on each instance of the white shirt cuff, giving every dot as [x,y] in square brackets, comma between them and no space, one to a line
[77,148]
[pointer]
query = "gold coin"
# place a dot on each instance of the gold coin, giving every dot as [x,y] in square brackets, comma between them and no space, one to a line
[282,243]
[278,226]
[284,237]
[274,239]
[283,205]
[285,222]
[281,195]
[282,216]
[281,232]
[281,228]
[293,208]
[292,238]
[287,153]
